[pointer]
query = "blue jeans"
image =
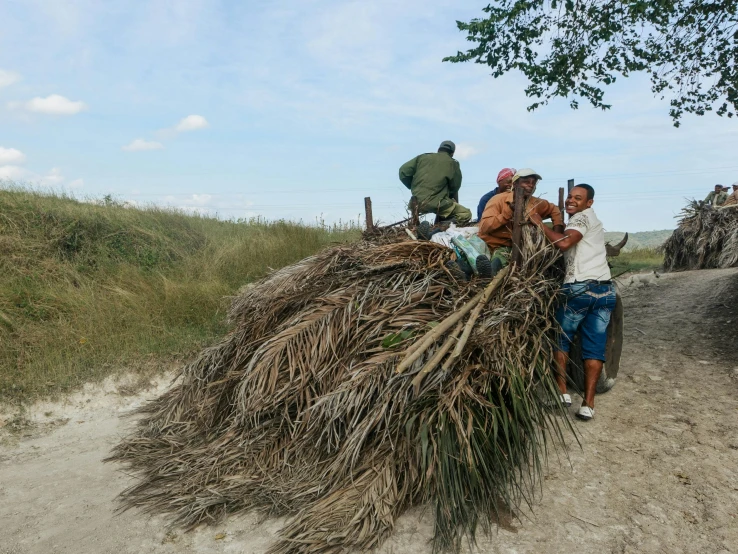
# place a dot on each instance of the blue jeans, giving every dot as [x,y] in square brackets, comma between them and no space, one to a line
[586,309]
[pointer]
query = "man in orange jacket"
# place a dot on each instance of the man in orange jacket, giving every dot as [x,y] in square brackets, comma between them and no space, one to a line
[495,227]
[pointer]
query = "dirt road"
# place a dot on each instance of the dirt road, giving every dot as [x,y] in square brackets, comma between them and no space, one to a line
[657,472]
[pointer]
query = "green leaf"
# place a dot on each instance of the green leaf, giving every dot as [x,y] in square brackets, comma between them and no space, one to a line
[393,339]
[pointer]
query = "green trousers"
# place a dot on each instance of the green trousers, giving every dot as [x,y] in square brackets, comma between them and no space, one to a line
[503,254]
[463,215]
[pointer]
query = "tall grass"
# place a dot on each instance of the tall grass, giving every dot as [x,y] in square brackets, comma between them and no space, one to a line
[638,259]
[87,289]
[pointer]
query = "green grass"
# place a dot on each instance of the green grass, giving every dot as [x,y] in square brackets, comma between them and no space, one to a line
[89,289]
[639,259]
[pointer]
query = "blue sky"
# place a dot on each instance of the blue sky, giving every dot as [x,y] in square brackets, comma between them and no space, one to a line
[300,109]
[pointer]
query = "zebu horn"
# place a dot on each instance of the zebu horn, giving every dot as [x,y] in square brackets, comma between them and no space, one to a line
[613,251]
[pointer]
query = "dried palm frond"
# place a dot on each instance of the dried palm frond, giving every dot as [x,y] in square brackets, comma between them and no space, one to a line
[301,409]
[706,237]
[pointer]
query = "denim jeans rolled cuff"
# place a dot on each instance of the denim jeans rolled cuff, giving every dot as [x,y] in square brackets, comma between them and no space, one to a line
[585,308]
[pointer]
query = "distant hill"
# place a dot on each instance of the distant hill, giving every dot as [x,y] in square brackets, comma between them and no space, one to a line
[644,239]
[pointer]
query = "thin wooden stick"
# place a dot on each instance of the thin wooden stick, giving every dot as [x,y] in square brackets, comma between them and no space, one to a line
[416,349]
[437,357]
[491,288]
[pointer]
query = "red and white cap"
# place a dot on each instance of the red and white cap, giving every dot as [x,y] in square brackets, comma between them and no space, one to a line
[505,173]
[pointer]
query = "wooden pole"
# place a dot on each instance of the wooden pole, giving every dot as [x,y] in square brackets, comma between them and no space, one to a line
[368,211]
[517,234]
[561,202]
[414,211]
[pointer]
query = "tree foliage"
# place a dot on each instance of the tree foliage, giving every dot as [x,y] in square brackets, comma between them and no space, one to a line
[574,48]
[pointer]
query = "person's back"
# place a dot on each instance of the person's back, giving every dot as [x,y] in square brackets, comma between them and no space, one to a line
[732,199]
[587,259]
[435,179]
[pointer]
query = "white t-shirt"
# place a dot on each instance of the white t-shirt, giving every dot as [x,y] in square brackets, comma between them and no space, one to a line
[587,258]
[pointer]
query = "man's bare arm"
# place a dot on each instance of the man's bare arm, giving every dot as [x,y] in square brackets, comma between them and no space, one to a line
[561,240]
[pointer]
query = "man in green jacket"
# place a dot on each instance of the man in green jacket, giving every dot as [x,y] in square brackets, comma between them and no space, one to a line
[717,197]
[435,180]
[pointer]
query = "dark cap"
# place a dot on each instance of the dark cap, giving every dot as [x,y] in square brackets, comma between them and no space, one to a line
[448,146]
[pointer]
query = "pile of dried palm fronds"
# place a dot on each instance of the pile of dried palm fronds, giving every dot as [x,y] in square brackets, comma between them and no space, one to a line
[357,383]
[706,237]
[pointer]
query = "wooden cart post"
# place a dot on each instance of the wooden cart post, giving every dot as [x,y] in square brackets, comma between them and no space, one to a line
[414,211]
[368,211]
[561,202]
[517,234]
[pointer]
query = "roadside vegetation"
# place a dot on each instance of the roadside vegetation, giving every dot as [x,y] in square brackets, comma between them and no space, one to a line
[637,260]
[92,288]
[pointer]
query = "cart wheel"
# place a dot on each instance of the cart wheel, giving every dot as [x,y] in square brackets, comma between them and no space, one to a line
[613,351]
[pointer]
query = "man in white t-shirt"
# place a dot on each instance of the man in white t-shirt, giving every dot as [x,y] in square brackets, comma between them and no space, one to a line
[589,295]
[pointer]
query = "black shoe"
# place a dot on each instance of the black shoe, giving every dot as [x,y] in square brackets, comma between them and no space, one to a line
[424,231]
[495,266]
[465,267]
[456,271]
[484,267]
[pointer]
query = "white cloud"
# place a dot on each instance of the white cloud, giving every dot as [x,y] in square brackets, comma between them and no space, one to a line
[11,156]
[191,123]
[53,178]
[465,151]
[140,144]
[201,199]
[13,172]
[53,104]
[7,78]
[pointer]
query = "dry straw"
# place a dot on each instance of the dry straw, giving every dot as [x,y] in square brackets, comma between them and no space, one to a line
[706,238]
[301,410]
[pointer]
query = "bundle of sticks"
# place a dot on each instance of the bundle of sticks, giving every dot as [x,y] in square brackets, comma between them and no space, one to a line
[353,385]
[706,237]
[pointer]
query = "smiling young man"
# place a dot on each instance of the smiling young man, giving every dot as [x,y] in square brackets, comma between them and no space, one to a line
[589,295]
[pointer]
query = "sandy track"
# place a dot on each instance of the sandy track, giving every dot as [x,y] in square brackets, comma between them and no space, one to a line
[657,472]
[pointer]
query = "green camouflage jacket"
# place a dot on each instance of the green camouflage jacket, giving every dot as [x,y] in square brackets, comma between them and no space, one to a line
[432,178]
[716,199]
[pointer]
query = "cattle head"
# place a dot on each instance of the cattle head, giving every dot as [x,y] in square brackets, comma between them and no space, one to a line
[613,251]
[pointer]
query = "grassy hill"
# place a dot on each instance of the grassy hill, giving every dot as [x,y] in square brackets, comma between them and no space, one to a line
[88,289]
[643,239]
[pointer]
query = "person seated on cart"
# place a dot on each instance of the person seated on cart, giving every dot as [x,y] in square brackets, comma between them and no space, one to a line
[434,181]
[716,197]
[504,184]
[495,226]
[588,292]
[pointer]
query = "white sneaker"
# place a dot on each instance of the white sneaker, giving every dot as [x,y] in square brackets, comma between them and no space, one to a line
[565,400]
[586,413]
